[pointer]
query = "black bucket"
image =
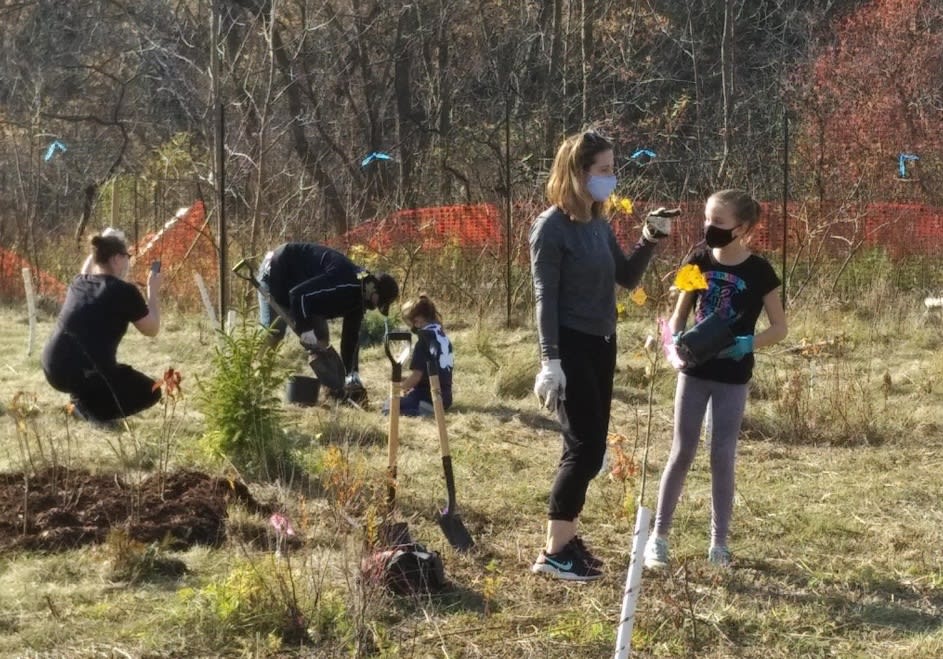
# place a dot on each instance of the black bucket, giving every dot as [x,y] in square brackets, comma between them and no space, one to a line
[702,342]
[302,390]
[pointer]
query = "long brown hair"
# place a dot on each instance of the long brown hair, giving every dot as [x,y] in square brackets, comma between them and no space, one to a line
[423,306]
[565,187]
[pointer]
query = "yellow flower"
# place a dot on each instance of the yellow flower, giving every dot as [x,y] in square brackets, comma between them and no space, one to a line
[690,278]
[621,204]
[638,296]
[620,311]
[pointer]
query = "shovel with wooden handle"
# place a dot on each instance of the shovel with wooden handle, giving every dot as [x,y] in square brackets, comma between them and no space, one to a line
[245,271]
[394,533]
[449,521]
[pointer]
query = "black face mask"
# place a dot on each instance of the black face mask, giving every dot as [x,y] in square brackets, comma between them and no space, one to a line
[717,237]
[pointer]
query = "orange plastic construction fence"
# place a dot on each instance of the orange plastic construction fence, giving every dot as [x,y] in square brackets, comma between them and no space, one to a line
[185,246]
[902,229]
[11,279]
[468,225]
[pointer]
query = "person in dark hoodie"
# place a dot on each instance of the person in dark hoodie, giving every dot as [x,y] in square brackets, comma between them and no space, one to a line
[312,284]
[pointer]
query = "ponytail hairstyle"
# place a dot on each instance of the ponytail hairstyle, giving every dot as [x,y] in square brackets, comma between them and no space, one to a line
[423,306]
[745,208]
[106,246]
[566,188]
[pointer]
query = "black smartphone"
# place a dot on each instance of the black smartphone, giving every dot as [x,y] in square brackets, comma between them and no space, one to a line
[155,266]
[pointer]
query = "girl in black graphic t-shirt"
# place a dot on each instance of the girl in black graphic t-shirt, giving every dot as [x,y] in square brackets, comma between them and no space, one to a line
[740,285]
[80,357]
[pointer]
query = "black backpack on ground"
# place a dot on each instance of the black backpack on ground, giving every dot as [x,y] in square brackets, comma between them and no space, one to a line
[408,569]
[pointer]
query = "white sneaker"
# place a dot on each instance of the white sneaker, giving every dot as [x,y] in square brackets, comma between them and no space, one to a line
[719,556]
[656,553]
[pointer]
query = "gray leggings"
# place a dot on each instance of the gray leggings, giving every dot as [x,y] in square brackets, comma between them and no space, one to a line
[727,404]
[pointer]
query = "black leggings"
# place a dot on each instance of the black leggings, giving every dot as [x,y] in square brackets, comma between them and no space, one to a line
[589,364]
[114,393]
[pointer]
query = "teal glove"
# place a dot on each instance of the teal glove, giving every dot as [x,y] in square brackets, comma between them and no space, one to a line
[742,346]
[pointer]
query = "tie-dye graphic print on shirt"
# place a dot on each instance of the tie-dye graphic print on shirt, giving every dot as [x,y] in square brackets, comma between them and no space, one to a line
[721,288]
[735,292]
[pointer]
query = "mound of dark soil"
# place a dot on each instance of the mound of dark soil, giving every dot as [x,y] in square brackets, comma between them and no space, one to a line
[60,509]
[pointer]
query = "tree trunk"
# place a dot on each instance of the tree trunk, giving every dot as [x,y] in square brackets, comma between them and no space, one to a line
[553,108]
[402,85]
[310,158]
[444,86]
[587,55]
[268,24]
[726,81]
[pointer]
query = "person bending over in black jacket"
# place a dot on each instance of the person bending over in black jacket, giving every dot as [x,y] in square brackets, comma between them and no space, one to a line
[312,284]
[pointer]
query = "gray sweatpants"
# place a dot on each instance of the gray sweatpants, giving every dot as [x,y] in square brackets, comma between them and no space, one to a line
[727,405]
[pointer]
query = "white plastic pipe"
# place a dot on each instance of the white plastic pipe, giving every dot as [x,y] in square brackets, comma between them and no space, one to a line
[205,296]
[633,584]
[231,322]
[708,428]
[30,309]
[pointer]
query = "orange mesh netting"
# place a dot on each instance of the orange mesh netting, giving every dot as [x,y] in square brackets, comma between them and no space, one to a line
[467,225]
[902,228]
[11,279]
[184,246]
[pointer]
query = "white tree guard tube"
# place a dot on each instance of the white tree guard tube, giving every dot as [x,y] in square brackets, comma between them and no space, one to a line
[30,309]
[205,296]
[633,584]
[231,322]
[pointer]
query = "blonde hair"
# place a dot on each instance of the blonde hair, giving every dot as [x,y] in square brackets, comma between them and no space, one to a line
[565,187]
[422,306]
[743,206]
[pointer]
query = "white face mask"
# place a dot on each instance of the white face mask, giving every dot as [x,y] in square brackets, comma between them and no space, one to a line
[600,187]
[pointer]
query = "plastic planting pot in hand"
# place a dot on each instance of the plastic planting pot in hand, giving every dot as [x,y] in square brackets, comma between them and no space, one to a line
[703,341]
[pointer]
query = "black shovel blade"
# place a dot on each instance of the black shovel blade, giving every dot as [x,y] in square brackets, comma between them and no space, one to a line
[328,367]
[454,530]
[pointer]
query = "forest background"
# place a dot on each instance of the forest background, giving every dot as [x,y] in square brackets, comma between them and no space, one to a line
[828,111]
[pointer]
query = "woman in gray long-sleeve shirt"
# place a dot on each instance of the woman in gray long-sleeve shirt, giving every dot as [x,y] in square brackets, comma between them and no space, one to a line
[576,263]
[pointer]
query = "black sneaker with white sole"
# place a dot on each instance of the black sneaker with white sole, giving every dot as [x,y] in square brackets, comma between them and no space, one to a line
[591,560]
[569,564]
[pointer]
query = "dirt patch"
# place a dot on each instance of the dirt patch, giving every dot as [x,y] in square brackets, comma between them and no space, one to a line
[60,509]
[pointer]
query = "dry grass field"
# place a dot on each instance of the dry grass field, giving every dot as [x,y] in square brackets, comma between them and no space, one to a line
[836,537]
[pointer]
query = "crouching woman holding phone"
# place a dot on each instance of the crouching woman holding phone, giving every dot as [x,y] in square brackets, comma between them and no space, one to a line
[80,357]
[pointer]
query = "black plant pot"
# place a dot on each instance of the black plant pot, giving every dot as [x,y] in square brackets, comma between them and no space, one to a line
[302,390]
[702,342]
